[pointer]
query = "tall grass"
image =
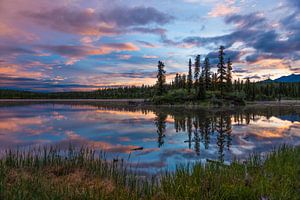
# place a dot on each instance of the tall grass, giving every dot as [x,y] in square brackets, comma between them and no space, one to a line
[52,173]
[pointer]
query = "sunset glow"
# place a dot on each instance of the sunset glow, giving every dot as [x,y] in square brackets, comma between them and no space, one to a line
[67,45]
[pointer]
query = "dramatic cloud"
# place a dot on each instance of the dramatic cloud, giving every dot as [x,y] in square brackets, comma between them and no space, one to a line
[246,21]
[270,48]
[31,84]
[11,50]
[104,22]
[81,51]
[88,44]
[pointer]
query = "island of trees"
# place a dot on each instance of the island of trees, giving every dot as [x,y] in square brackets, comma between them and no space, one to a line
[200,83]
[199,86]
[204,86]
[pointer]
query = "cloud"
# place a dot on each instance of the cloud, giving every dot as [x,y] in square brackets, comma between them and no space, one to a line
[246,21]
[14,70]
[223,10]
[38,82]
[157,31]
[253,77]
[240,71]
[150,57]
[253,31]
[100,22]
[125,57]
[11,50]
[147,44]
[76,52]
[124,16]
[83,22]
[32,84]
[294,3]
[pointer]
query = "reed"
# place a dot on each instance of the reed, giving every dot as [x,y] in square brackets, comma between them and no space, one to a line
[53,173]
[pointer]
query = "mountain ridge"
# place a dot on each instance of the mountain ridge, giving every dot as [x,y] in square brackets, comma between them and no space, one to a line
[292,78]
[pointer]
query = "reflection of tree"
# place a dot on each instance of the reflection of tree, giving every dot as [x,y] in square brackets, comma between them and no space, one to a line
[247,118]
[221,129]
[224,130]
[228,131]
[197,142]
[189,130]
[206,132]
[200,127]
[160,122]
[196,137]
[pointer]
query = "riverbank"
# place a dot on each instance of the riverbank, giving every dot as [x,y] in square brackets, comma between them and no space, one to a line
[73,100]
[282,102]
[80,174]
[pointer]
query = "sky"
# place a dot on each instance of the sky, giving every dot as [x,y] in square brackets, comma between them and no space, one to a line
[80,45]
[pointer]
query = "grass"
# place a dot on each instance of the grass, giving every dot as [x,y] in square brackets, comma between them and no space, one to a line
[50,173]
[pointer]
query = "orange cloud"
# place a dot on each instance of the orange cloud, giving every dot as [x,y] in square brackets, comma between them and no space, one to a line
[15,71]
[114,47]
[11,32]
[222,10]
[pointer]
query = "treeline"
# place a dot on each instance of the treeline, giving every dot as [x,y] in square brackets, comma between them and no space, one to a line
[200,83]
[106,93]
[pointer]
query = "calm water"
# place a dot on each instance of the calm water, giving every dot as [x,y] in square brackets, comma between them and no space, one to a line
[168,136]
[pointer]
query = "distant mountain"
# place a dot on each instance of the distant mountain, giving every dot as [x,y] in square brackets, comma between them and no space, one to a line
[291,118]
[293,78]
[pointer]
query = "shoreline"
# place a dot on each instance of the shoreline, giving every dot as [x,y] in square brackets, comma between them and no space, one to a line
[282,102]
[73,100]
[143,103]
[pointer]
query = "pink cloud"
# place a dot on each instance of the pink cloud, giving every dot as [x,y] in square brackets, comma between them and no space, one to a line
[223,10]
[150,57]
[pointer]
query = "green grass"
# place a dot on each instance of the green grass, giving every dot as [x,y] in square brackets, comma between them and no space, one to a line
[49,173]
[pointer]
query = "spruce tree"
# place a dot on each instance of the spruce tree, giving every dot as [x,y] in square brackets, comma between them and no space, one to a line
[214,81]
[207,73]
[229,75]
[190,78]
[183,81]
[161,78]
[248,88]
[177,83]
[221,70]
[197,69]
[201,89]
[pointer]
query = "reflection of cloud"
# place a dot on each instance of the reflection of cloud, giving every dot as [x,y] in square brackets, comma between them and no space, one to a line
[14,125]
[58,116]
[118,131]
[148,151]
[124,139]
[104,146]
[268,128]
[12,128]
[127,114]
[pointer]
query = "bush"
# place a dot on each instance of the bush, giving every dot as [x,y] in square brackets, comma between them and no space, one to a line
[174,96]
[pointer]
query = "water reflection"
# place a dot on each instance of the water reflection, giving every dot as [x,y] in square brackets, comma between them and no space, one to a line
[153,138]
[160,122]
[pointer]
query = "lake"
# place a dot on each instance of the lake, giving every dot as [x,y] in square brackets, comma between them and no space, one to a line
[151,139]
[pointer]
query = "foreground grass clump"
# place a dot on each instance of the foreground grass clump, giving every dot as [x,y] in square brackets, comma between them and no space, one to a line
[80,174]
